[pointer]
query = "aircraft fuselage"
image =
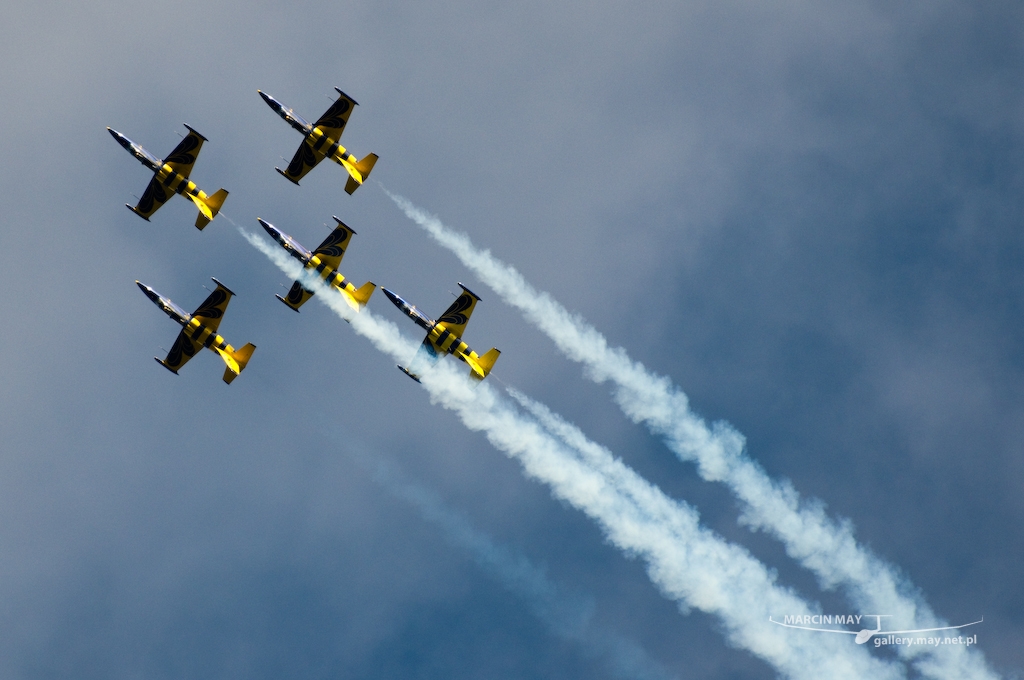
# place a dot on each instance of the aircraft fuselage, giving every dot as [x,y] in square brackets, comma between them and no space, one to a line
[178,183]
[328,147]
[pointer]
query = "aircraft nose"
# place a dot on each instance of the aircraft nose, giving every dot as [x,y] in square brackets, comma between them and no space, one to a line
[270,228]
[149,292]
[269,100]
[121,139]
[391,296]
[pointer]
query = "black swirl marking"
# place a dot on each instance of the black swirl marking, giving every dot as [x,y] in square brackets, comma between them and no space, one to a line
[429,348]
[454,313]
[181,349]
[303,156]
[209,309]
[182,153]
[332,245]
[153,193]
[295,294]
[333,117]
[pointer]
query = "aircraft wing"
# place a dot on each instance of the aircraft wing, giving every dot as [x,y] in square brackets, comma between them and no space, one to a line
[334,119]
[212,310]
[182,350]
[297,296]
[302,162]
[426,357]
[333,248]
[153,197]
[185,154]
[457,316]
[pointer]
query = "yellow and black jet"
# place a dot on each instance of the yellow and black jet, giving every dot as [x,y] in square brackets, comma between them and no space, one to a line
[444,336]
[170,176]
[325,261]
[200,330]
[321,141]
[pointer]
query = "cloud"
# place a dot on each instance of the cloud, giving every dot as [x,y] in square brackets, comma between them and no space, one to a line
[566,614]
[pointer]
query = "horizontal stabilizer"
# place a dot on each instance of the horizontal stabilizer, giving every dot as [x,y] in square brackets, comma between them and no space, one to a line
[363,293]
[208,207]
[365,165]
[480,367]
[359,172]
[236,361]
[216,202]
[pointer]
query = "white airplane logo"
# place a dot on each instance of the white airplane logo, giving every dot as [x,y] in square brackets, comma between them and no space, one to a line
[866,634]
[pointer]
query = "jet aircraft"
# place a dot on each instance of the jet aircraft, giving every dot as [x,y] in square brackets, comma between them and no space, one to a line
[200,330]
[444,336]
[321,141]
[170,176]
[325,261]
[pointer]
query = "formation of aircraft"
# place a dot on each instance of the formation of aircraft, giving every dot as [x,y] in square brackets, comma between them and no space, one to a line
[321,140]
[324,261]
[199,329]
[444,336]
[170,176]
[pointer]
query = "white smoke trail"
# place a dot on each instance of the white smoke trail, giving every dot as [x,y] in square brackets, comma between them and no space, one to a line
[568,617]
[688,563]
[825,546]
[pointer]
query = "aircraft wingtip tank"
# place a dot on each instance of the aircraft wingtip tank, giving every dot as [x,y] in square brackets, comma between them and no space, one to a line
[409,373]
[293,308]
[338,90]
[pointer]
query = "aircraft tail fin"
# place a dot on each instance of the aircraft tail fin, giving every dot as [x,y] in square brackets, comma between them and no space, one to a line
[362,172]
[481,366]
[208,207]
[236,361]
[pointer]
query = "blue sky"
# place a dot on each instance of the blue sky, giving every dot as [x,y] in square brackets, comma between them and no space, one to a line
[807,215]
